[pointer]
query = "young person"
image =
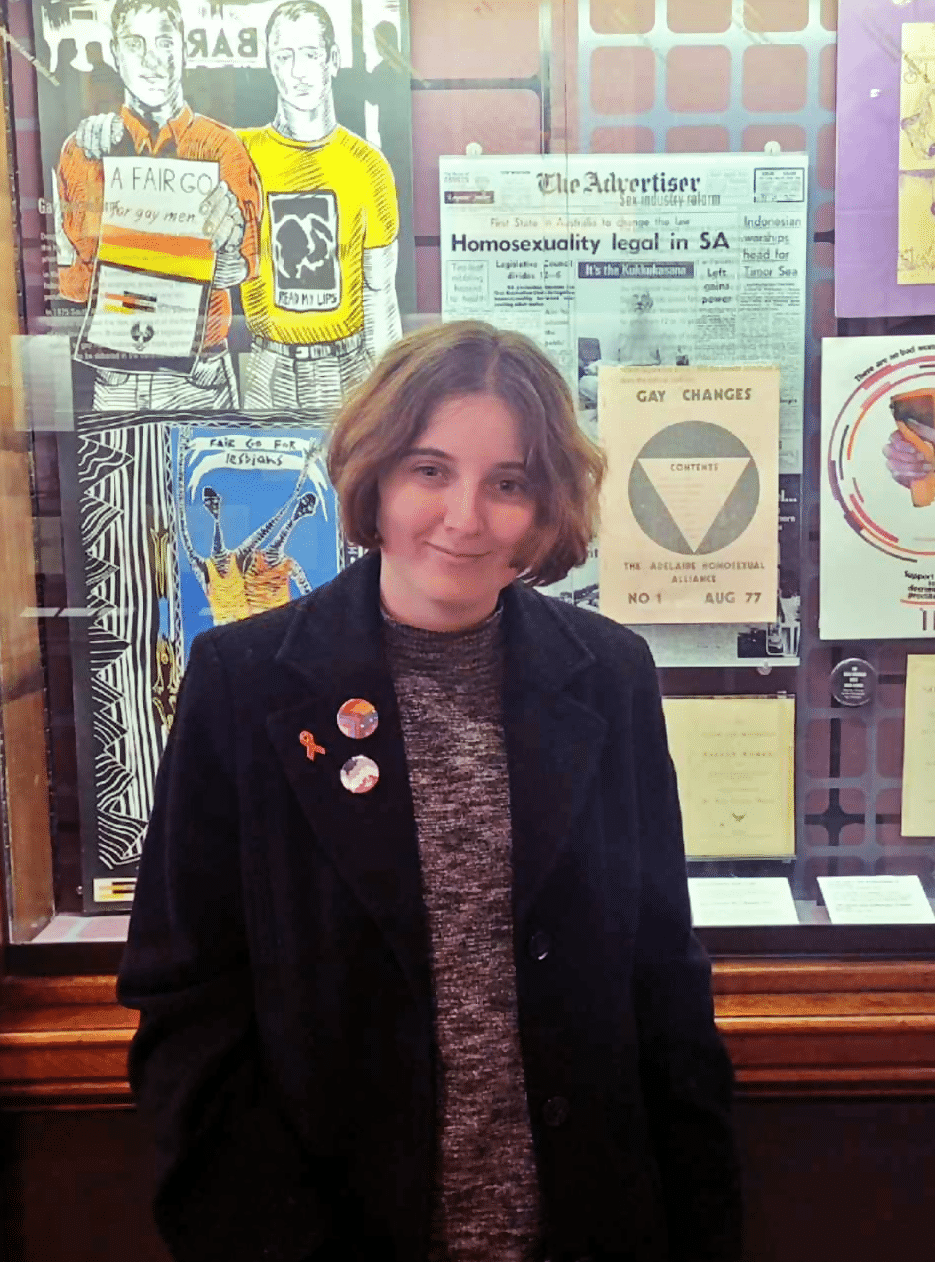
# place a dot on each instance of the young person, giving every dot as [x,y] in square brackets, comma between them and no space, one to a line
[411,941]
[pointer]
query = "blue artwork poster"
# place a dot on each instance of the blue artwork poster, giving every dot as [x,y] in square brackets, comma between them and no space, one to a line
[256,522]
[184,523]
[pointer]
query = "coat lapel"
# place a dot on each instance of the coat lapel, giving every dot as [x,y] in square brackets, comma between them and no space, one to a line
[554,736]
[554,741]
[335,644]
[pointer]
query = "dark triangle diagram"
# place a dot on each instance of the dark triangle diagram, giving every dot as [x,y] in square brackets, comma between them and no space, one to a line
[694,492]
[694,488]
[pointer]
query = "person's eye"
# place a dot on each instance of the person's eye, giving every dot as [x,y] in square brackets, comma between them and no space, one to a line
[511,487]
[429,471]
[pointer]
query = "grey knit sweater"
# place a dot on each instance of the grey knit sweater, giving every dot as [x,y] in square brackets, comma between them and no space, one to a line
[449,690]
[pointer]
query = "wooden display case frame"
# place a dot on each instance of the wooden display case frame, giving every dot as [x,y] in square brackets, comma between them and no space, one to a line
[817,1028]
[833,1027]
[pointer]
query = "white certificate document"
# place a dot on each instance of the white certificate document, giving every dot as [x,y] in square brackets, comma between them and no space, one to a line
[918,813]
[741,900]
[876,900]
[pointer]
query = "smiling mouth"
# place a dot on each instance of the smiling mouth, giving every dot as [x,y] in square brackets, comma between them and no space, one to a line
[458,556]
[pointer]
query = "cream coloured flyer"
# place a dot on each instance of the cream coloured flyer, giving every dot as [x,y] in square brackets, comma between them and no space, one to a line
[734,758]
[690,509]
[918,810]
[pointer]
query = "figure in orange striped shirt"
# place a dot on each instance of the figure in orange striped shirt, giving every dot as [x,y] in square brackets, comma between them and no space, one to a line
[155,121]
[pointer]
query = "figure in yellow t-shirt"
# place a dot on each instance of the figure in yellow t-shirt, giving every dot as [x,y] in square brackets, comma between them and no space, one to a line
[323,305]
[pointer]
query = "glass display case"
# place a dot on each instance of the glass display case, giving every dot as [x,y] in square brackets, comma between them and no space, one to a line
[220,214]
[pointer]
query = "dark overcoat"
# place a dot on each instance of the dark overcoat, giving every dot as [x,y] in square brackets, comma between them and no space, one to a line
[279,953]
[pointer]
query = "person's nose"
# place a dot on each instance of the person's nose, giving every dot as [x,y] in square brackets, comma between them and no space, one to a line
[463,507]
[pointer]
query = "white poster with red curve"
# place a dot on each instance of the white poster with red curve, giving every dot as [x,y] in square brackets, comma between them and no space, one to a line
[878,488]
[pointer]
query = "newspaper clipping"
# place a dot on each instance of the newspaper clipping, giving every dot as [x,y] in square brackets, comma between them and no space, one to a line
[646,260]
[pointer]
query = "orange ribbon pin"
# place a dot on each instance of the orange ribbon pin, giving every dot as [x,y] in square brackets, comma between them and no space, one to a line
[311,748]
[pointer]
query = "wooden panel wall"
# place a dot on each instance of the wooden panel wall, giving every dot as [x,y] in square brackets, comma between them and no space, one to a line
[825,1179]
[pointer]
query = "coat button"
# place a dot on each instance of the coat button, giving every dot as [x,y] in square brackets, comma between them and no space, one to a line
[556,1111]
[540,944]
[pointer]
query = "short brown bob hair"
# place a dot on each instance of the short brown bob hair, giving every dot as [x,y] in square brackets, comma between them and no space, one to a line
[383,418]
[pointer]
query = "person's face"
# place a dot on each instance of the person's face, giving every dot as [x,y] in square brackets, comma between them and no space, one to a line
[300,62]
[454,514]
[148,52]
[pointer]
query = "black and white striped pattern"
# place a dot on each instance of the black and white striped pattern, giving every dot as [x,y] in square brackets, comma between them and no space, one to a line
[124,504]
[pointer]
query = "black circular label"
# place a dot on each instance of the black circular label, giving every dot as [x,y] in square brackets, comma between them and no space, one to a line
[853,682]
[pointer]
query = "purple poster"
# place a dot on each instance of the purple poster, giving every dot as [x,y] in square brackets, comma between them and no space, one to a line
[885,202]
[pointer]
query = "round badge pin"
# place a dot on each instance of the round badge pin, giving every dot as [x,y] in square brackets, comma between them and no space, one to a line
[359,774]
[358,719]
[853,682]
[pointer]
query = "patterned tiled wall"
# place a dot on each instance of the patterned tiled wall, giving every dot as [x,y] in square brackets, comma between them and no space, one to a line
[677,76]
[737,77]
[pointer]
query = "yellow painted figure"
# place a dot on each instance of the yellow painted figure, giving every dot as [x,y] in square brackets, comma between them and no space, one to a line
[323,304]
[310,286]
[225,591]
[258,574]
